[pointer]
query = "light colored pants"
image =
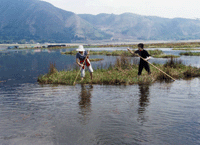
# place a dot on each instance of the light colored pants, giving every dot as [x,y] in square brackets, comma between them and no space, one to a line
[83,70]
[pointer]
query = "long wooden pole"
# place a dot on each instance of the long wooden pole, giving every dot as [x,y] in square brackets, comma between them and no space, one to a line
[151,64]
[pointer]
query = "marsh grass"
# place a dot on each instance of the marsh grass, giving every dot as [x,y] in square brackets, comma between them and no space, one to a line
[96,59]
[166,56]
[159,54]
[186,49]
[191,72]
[123,72]
[123,62]
[155,53]
[52,69]
[173,63]
[190,53]
[108,53]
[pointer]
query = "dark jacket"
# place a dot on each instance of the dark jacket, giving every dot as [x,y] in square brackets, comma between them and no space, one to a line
[144,54]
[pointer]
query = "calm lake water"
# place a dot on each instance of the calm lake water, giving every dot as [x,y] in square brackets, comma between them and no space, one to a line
[161,113]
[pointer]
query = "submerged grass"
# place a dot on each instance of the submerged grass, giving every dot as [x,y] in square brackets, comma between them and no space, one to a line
[122,73]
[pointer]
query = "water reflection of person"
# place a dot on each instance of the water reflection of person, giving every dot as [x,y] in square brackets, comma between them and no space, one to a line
[143,101]
[85,102]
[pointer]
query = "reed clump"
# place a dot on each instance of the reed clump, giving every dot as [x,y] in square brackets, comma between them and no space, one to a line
[191,72]
[173,63]
[155,52]
[52,69]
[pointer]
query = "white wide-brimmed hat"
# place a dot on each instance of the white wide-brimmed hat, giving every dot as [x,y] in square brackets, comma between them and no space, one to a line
[80,48]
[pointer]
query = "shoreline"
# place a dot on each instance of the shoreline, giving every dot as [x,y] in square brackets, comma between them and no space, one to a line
[95,44]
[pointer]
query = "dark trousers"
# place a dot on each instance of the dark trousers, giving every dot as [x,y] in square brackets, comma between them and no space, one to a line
[144,65]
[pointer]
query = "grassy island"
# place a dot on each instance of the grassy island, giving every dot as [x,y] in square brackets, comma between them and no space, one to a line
[121,73]
[190,53]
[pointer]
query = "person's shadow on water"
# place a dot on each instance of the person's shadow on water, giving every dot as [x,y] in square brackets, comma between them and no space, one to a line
[143,102]
[85,103]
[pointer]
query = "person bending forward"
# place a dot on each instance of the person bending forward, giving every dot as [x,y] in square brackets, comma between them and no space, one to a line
[82,56]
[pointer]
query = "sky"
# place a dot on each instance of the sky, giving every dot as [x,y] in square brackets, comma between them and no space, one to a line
[161,8]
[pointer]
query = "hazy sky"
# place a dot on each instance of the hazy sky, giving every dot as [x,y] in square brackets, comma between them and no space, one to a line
[162,8]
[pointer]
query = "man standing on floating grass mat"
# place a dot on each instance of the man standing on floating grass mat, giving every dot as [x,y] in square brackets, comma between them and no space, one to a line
[144,54]
[82,60]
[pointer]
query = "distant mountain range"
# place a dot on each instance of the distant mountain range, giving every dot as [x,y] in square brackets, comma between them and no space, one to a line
[26,20]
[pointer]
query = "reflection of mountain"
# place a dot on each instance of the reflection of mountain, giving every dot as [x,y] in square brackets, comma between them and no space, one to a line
[143,101]
[85,103]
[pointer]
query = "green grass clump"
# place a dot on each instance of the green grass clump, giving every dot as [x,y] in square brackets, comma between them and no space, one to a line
[190,53]
[155,52]
[96,59]
[165,56]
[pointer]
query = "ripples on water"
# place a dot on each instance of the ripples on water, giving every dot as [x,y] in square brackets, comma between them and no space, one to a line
[85,114]
[166,113]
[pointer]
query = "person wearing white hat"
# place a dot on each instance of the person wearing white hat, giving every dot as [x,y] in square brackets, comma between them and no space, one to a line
[82,56]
